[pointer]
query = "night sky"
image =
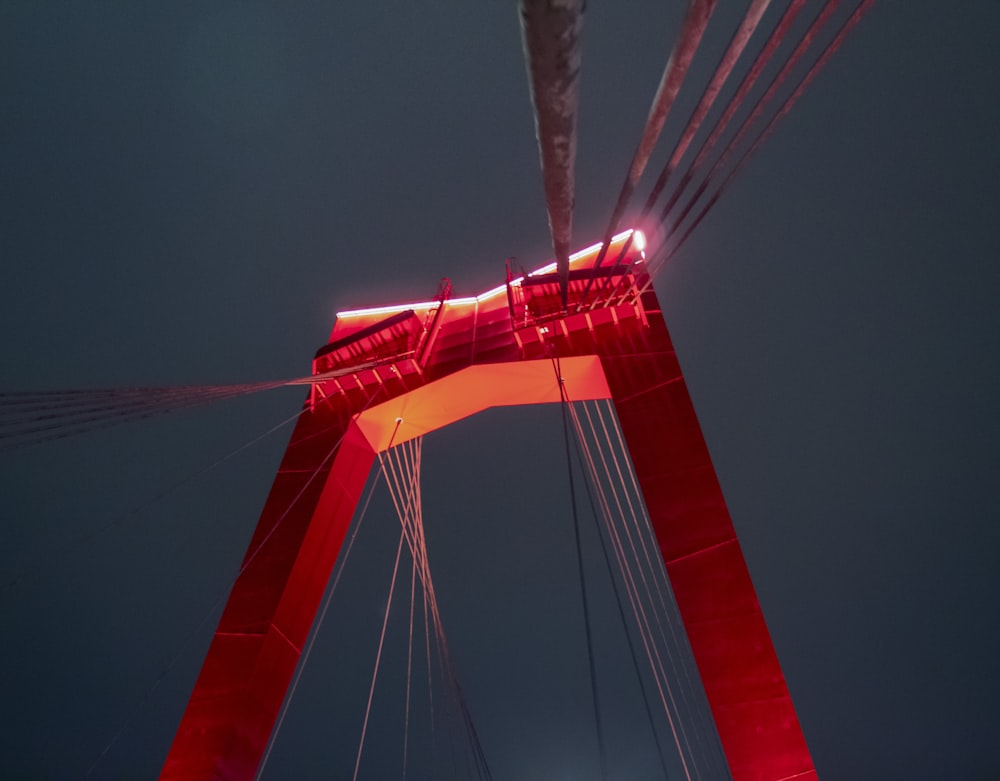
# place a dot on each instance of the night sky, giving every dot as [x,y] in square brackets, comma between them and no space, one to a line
[190,191]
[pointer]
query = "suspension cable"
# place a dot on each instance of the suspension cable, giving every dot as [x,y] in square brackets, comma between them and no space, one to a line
[642,622]
[692,29]
[300,669]
[378,655]
[30,418]
[399,464]
[591,487]
[764,56]
[800,88]
[84,538]
[247,561]
[666,254]
[762,103]
[734,50]
[708,145]
[678,650]
[409,662]
[564,405]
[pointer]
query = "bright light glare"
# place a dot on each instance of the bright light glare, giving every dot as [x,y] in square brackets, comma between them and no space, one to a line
[639,240]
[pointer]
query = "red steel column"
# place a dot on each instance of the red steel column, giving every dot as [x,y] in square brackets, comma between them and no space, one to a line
[746,690]
[256,647]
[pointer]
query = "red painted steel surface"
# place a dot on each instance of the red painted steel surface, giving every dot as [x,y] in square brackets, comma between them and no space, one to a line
[423,351]
[256,647]
[551,32]
[746,690]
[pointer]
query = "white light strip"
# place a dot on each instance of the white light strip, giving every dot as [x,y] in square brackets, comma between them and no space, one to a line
[386,310]
[623,235]
[493,292]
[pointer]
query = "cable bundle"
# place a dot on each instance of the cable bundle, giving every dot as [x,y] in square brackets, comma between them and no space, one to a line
[715,172]
[31,417]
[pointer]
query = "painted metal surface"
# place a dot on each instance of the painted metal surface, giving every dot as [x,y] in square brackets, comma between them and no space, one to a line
[492,349]
[550,31]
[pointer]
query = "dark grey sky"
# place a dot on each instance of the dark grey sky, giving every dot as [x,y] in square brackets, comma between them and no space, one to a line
[189,192]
